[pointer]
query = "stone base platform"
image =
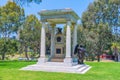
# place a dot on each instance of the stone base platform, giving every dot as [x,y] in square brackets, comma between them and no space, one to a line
[57,59]
[58,67]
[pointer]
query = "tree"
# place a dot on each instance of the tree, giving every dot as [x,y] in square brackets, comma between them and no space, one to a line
[30,35]
[102,11]
[115,48]
[100,17]
[8,47]
[10,20]
[104,39]
[21,2]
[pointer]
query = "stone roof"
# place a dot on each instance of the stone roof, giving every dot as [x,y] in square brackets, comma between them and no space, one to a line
[57,14]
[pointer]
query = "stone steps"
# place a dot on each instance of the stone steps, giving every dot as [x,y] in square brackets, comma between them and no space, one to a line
[57,60]
[58,67]
[58,64]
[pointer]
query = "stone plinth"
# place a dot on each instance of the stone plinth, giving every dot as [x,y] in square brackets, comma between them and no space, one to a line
[58,67]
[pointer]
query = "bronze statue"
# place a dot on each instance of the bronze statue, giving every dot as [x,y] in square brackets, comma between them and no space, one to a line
[59,30]
[80,51]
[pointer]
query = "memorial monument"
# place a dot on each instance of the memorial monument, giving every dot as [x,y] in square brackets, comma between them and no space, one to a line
[61,50]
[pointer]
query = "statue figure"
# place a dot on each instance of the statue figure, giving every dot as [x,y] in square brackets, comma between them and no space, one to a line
[80,51]
[59,30]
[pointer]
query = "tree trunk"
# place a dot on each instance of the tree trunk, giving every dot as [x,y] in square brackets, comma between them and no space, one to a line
[26,55]
[98,56]
[3,56]
[116,53]
[4,51]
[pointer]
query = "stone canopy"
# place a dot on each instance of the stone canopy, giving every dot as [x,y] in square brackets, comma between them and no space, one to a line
[59,16]
[61,52]
[51,18]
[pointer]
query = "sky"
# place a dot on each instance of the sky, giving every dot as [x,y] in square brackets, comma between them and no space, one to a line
[79,6]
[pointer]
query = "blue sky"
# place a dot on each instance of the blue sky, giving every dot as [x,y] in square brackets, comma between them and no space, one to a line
[79,6]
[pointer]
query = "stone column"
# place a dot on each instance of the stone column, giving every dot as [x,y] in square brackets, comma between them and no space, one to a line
[74,39]
[52,41]
[68,58]
[118,57]
[42,58]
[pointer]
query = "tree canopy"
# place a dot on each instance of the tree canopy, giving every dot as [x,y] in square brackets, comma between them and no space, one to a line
[21,2]
[30,34]
[100,18]
[11,17]
[102,11]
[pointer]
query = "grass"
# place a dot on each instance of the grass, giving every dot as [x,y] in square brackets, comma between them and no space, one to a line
[9,70]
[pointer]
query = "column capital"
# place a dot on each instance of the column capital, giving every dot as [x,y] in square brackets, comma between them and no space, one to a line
[52,25]
[74,24]
[44,24]
[69,23]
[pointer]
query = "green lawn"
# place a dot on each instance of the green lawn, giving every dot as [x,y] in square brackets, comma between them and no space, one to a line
[9,70]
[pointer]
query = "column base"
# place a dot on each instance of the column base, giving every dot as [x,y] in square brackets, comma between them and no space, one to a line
[68,61]
[41,60]
[49,58]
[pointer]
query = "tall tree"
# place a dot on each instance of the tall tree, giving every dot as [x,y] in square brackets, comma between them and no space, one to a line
[95,40]
[100,15]
[104,38]
[30,34]
[10,20]
[102,11]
